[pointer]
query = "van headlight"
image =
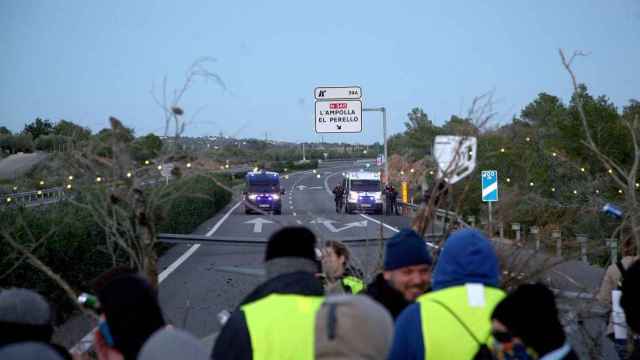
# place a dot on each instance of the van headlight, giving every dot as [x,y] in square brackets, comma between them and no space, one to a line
[353,196]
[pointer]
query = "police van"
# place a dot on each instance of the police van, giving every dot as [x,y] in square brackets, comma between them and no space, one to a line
[363,192]
[263,192]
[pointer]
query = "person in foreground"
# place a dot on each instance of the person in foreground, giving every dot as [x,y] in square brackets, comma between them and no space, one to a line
[526,326]
[276,320]
[453,320]
[406,275]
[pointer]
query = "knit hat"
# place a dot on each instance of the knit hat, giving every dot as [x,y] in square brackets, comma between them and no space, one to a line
[406,248]
[293,241]
[171,343]
[24,316]
[29,350]
[352,327]
[530,313]
[131,308]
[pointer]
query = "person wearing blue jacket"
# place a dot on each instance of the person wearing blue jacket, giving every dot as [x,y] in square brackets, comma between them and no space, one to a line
[453,321]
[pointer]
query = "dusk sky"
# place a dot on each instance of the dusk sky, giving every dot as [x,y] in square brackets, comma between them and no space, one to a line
[87,60]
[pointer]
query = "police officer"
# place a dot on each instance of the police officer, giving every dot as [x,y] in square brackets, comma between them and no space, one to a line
[276,320]
[338,194]
[341,275]
[452,321]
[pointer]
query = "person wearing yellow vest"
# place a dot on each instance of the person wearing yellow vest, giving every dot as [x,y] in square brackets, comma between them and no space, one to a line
[341,275]
[277,319]
[453,320]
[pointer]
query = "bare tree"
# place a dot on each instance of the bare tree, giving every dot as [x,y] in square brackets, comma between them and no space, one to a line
[626,178]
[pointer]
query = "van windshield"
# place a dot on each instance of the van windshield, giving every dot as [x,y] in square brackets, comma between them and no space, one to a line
[264,188]
[365,185]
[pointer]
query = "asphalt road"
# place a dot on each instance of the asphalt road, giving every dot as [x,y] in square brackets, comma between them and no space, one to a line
[198,281]
[16,165]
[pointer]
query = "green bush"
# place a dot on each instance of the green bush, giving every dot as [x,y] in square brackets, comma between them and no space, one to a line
[74,250]
[202,200]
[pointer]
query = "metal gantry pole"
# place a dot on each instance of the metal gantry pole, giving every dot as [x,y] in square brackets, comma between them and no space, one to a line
[384,135]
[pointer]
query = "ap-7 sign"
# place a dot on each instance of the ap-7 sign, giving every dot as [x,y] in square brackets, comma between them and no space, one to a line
[489,185]
[339,116]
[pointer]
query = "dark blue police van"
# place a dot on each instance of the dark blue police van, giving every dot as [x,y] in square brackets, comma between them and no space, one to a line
[263,192]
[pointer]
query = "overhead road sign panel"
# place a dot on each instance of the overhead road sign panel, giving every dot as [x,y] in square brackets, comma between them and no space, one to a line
[338,92]
[338,116]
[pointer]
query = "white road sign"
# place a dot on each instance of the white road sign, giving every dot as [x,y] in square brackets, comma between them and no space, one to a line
[338,92]
[339,116]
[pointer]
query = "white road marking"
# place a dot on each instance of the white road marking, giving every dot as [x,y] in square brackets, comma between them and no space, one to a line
[257,224]
[299,222]
[224,218]
[87,341]
[378,222]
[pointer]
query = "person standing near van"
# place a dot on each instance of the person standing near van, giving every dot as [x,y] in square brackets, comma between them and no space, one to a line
[611,282]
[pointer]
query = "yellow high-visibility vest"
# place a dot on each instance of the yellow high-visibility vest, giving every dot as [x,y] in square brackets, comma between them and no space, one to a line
[282,326]
[354,283]
[444,337]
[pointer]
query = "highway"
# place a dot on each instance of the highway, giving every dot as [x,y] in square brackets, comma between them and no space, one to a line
[198,281]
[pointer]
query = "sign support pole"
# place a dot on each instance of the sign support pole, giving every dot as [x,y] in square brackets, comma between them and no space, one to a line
[490,221]
[384,135]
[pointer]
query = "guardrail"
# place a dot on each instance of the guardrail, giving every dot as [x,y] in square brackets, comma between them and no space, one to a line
[441,215]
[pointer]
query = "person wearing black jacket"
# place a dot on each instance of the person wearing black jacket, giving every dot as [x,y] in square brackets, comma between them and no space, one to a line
[406,275]
[291,267]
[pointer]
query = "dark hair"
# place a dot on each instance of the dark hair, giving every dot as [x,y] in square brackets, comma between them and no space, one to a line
[130,305]
[340,249]
[628,247]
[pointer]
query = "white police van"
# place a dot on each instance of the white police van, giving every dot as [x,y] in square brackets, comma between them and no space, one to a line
[363,191]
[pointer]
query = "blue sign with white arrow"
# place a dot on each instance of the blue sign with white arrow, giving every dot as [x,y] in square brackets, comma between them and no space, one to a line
[489,185]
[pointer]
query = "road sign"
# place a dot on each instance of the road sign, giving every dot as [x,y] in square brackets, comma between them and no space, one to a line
[489,185]
[380,160]
[338,92]
[338,116]
[455,155]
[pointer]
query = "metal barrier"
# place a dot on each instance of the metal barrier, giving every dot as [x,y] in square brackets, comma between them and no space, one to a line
[441,215]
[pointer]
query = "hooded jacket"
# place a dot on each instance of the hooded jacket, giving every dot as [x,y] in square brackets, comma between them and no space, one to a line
[234,341]
[467,257]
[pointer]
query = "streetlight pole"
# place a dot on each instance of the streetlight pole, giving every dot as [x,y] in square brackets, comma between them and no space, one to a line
[384,134]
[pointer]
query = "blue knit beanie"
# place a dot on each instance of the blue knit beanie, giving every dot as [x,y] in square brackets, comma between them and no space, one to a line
[406,248]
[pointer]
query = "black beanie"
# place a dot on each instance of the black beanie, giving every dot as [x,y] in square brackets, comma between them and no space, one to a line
[530,313]
[294,241]
[131,308]
[406,248]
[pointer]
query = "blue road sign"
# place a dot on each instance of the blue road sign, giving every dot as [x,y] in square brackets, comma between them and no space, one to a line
[489,185]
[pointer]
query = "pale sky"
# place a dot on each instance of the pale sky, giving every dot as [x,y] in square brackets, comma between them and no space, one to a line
[87,60]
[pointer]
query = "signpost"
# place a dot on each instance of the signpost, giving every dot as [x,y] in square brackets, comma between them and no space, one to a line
[339,116]
[338,109]
[338,92]
[490,192]
[455,155]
